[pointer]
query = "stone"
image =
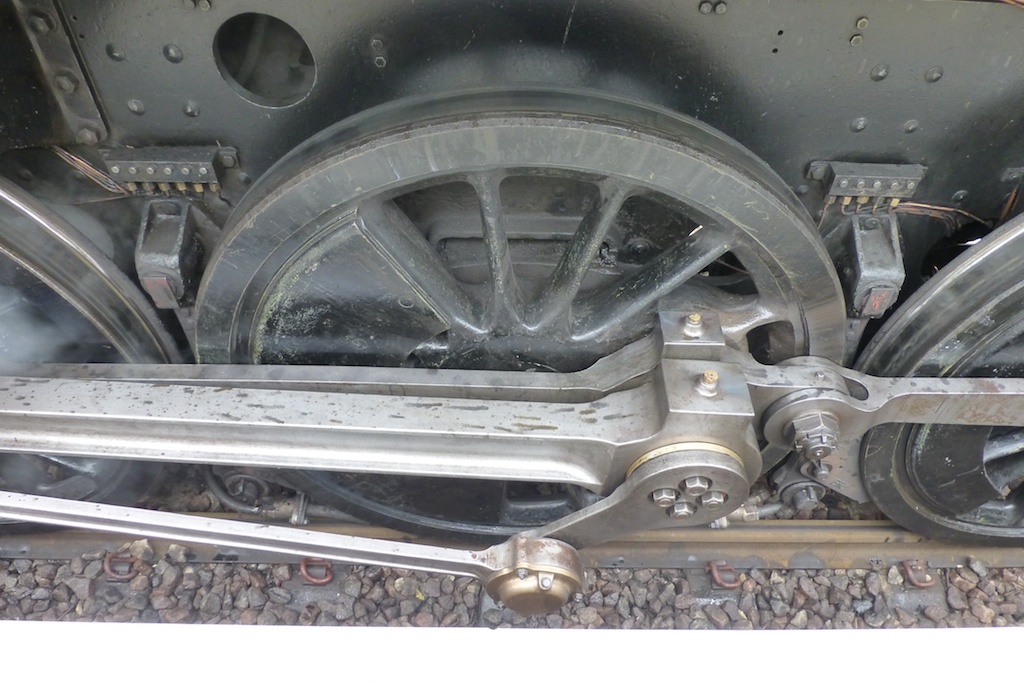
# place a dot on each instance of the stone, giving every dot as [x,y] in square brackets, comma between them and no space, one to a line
[799,619]
[142,550]
[279,596]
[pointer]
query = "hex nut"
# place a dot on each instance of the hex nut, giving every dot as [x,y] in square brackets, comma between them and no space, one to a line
[696,485]
[665,498]
[713,500]
[816,435]
[682,510]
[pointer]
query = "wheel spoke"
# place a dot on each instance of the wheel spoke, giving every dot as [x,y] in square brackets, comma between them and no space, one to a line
[505,308]
[611,308]
[557,298]
[396,238]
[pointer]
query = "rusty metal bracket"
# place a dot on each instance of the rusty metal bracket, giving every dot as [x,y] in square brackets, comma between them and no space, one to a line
[916,575]
[716,568]
[312,580]
[112,562]
[62,72]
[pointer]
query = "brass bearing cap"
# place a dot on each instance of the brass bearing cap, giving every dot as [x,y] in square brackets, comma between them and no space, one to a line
[542,576]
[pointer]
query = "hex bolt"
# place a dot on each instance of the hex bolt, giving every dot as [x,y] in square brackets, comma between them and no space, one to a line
[521,574]
[713,500]
[203,5]
[376,44]
[380,61]
[706,7]
[696,485]
[721,8]
[856,39]
[862,23]
[682,510]
[665,498]
[545,583]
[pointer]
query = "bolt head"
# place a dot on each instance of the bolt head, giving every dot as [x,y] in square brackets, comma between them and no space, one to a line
[696,485]
[862,23]
[856,40]
[713,500]
[721,8]
[665,498]
[693,318]
[65,83]
[203,5]
[822,470]
[706,7]
[682,510]
[521,574]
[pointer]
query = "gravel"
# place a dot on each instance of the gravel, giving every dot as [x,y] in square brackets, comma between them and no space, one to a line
[169,589]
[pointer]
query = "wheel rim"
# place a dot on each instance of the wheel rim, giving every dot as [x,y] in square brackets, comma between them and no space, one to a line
[943,480]
[658,208]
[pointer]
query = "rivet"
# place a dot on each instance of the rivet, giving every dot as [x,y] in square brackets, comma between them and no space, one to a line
[911,125]
[203,170]
[132,170]
[861,184]
[959,195]
[115,169]
[185,170]
[894,185]
[203,5]
[66,83]
[880,72]
[136,107]
[190,108]
[911,184]
[877,185]
[933,74]
[115,53]
[168,170]
[150,170]
[858,124]
[856,39]
[844,183]
[173,53]
[40,23]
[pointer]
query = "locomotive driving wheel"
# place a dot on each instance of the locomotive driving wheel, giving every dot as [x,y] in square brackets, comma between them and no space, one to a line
[949,481]
[538,231]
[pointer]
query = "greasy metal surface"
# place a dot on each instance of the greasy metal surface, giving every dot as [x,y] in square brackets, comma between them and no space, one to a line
[794,81]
